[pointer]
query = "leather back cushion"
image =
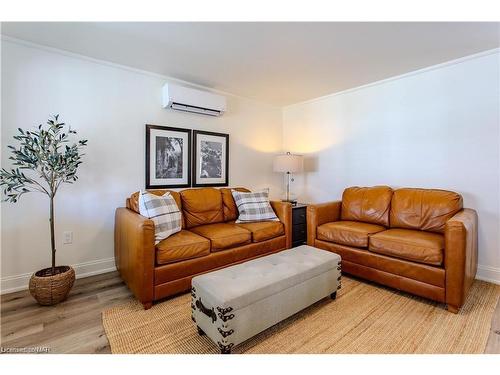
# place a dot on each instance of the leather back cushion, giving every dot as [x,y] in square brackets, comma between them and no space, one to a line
[133,201]
[229,207]
[367,204]
[423,209]
[202,206]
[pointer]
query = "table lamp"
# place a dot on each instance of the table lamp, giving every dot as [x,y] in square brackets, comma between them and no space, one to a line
[288,163]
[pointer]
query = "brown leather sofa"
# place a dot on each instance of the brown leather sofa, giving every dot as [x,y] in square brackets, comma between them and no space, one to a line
[420,241]
[209,240]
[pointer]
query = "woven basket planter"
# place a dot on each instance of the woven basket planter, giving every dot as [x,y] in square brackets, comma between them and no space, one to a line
[50,289]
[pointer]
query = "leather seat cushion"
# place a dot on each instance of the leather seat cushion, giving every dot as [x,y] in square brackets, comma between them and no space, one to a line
[264,230]
[224,235]
[180,246]
[351,233]
[414,245]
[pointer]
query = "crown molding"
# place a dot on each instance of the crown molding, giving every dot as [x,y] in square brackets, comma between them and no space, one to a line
[6,38]
[25,43]
[401,76]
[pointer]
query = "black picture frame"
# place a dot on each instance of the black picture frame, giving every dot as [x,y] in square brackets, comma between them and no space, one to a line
[224,179]
[155,182]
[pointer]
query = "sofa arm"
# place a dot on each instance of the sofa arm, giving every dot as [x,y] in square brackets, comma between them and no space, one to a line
[135,253]
[284,212]
[318,214]
[460,256]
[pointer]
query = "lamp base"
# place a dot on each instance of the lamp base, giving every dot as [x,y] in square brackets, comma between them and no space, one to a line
[292,201]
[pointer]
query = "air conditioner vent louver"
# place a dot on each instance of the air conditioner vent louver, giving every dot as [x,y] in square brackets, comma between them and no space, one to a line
[193,101]
[193,109]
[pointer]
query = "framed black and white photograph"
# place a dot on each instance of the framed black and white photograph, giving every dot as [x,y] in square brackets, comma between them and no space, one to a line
[168,157]
[210,158]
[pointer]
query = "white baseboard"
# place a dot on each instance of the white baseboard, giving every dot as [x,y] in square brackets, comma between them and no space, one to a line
[16,283]
[490,274]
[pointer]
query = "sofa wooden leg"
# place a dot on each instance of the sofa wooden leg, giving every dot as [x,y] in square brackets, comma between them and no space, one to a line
[453,309]
[333,295]
[147,305]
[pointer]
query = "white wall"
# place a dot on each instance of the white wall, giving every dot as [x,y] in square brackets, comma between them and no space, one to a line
[436,128]
[109,106]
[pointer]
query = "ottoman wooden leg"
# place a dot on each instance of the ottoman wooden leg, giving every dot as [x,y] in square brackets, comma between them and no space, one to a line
[225,349]
[200,331]
[333,295]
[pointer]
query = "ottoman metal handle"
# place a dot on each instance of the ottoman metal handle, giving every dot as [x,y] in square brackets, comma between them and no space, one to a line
[205,310]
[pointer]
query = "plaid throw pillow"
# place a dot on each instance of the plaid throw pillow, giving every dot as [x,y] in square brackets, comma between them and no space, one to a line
[163,211]
[253,207]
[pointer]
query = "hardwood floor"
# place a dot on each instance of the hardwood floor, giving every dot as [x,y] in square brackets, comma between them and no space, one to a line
[493,345]
[74,326]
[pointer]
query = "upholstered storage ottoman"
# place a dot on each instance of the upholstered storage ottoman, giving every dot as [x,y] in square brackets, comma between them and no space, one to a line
[235,303]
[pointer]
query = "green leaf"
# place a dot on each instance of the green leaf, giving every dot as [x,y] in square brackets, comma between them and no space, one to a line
[43,159]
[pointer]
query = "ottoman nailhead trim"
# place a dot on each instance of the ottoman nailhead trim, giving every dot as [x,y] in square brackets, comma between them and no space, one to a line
[223,313]
[225,318]
[224,348]
[225,333]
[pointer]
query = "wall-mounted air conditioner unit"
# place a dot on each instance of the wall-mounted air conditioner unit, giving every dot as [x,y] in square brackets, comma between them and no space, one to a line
[191,100]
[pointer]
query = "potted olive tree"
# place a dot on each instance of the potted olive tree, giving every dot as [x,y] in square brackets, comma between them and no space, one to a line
[42,162]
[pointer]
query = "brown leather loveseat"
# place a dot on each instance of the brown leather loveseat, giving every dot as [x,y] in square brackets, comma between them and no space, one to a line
[209,240]
[420,241]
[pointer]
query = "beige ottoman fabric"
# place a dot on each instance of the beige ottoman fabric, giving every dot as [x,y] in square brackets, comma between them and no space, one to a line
[235,303]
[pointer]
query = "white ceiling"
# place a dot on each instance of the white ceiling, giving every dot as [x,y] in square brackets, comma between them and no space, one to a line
[281,63]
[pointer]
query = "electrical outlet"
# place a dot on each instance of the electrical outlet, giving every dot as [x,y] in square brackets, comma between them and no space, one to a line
[68,238]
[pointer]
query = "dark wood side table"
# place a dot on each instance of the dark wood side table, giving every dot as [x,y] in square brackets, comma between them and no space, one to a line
[299,224]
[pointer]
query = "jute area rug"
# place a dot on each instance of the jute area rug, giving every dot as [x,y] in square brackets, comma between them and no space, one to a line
[365,318]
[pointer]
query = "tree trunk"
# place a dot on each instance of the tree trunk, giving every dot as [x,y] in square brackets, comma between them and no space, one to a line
[52,235]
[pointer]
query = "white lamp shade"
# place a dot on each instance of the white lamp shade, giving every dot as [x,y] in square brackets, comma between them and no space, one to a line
[288,163]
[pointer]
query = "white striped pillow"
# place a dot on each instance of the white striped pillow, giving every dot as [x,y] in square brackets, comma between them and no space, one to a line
[253,207]
[164,212]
